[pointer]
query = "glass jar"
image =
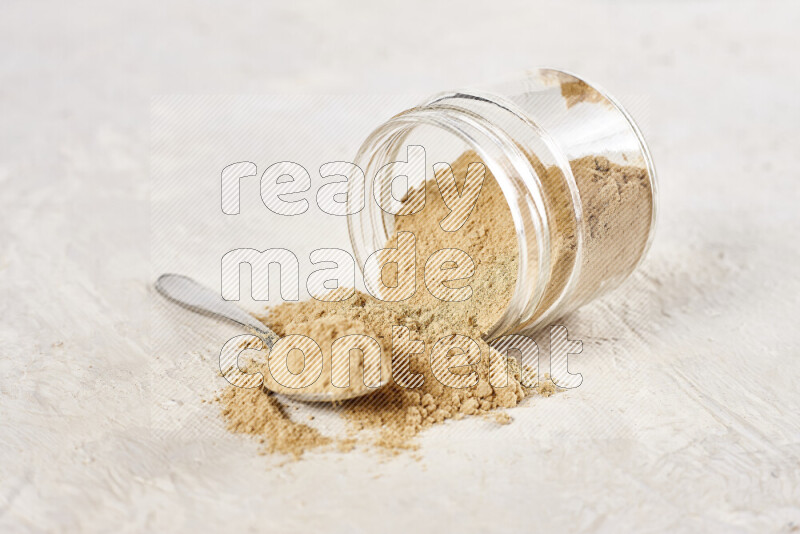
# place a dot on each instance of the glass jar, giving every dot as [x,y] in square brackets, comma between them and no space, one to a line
[572,165]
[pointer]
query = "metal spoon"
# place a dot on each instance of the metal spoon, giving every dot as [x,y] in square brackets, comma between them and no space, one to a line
[189,294]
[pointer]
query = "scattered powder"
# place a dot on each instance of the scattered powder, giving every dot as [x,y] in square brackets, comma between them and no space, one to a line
[253,411]
[502,418]
[392,416]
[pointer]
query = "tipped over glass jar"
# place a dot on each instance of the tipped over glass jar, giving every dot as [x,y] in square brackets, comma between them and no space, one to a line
[572,166]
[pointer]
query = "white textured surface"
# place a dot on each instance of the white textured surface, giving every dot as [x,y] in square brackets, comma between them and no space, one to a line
[687,419]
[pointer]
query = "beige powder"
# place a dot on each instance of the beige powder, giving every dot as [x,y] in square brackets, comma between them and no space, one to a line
[391,417]
[256,412]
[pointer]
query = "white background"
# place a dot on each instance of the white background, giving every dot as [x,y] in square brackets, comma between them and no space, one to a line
[687,419]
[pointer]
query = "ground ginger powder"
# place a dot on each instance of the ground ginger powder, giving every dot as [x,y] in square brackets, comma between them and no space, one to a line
[391,417]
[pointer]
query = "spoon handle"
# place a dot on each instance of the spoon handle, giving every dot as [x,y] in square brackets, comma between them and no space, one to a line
[188,294]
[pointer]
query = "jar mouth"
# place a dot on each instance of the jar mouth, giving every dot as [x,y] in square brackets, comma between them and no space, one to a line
[370,228]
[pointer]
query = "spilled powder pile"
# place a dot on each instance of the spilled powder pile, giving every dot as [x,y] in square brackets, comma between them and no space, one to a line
[398,414]
[392,416]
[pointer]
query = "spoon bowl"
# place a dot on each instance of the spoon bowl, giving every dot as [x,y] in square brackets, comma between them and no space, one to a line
[191,295]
